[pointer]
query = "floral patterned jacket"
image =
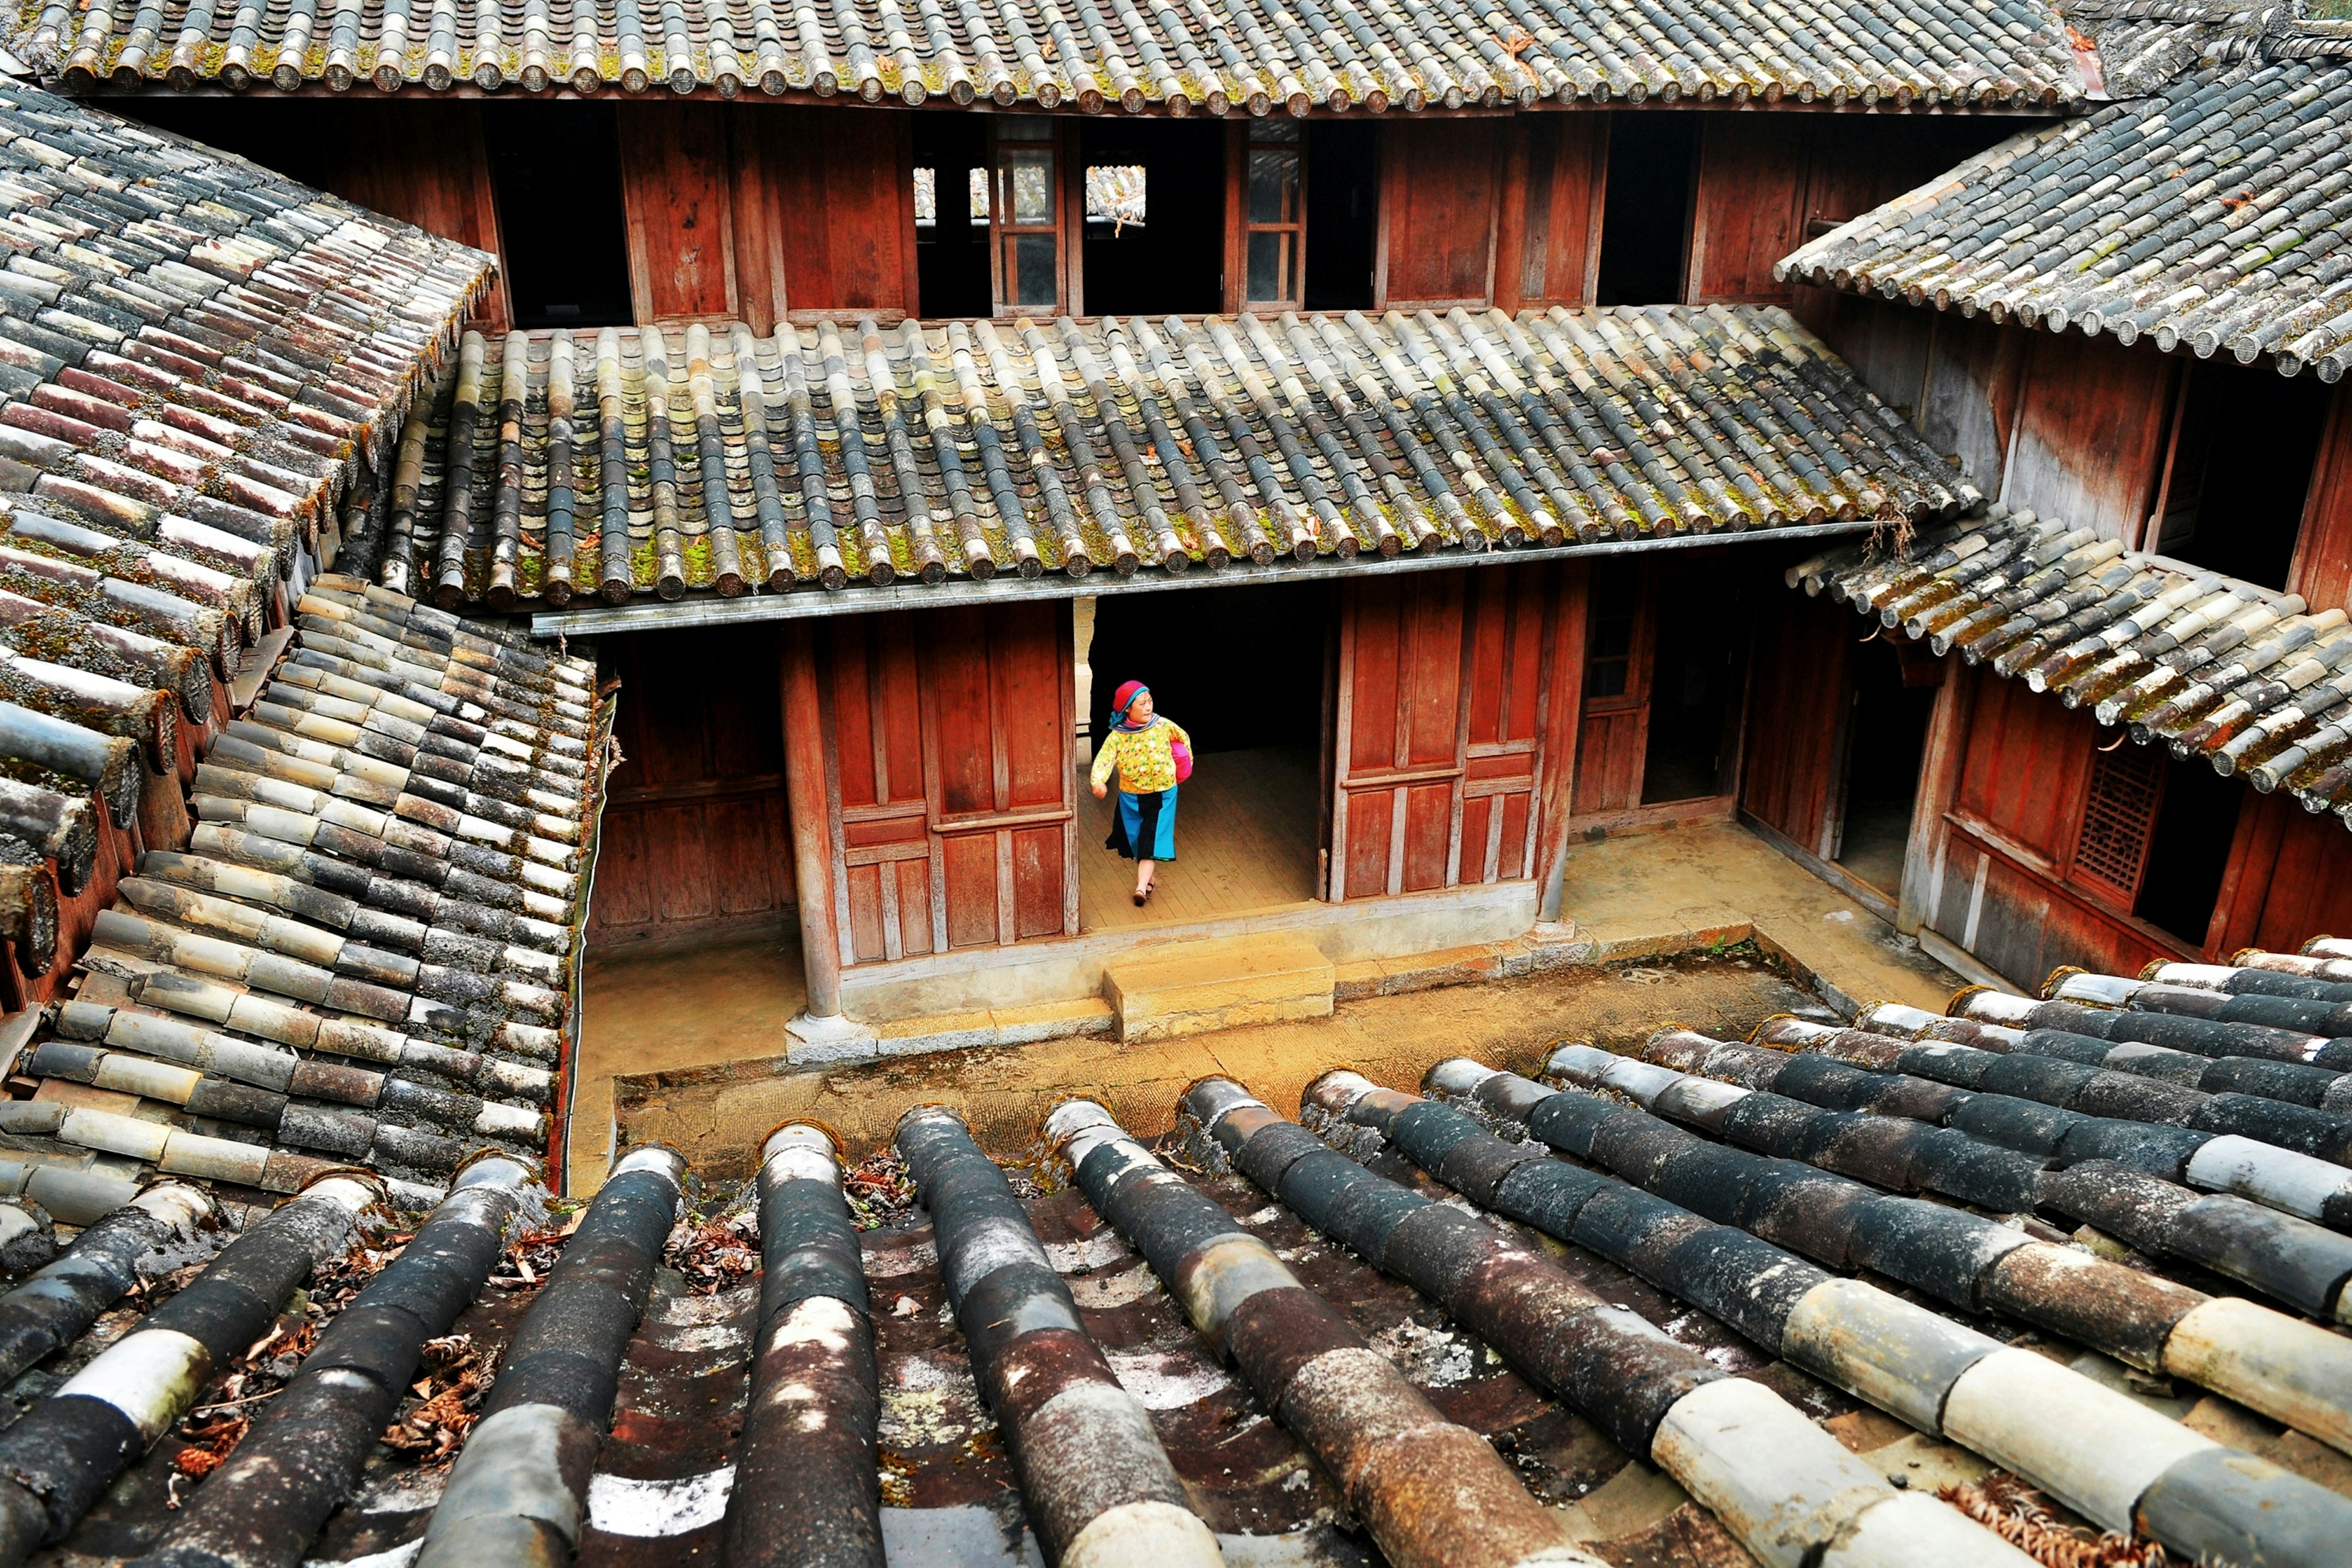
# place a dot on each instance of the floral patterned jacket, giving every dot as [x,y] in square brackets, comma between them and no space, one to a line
[1142,756]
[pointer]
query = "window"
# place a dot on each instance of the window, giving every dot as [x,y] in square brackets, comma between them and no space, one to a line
[1611,671]
[1274,211]
[1114,195]
[1026,215]
[555,174]
[1645,213]
[2220,412]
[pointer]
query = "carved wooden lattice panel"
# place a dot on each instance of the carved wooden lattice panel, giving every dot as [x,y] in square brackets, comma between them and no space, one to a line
[2119,818]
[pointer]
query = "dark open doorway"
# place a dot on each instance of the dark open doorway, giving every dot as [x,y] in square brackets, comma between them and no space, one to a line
[1242,670]
[1886,736]
[1646,212]
[1343,210]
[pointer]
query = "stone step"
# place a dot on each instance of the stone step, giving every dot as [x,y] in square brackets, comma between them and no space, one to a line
[1190,988]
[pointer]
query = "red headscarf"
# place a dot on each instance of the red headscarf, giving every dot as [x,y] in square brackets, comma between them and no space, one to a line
[1124,698]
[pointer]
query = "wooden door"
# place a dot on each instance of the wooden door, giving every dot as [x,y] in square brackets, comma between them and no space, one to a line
[949,773]
[1799,721]
[1442,693]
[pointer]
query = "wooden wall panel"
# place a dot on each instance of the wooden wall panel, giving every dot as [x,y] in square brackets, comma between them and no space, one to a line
[1546,246]
[1439,184]
[1749,207]
[823,209]
[2322,572]
[2088,446]
[2026,765]
[674,186]
[2017,921]
[695,838]
[1798,703]
[423,163]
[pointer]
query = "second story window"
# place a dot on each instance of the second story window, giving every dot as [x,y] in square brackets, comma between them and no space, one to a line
[1026,215]
[1274,211]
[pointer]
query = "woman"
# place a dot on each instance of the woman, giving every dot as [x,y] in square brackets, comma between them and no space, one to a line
[1143,745]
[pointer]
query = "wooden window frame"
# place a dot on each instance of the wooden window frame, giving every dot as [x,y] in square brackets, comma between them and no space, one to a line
[1239,139]
[1069,196]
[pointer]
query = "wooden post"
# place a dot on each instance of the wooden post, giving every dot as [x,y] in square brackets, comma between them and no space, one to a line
[804,801]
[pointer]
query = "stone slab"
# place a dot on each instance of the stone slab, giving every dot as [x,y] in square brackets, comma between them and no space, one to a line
[1189,988]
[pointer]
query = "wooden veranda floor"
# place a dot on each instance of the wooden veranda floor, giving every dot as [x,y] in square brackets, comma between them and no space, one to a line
[1244,840]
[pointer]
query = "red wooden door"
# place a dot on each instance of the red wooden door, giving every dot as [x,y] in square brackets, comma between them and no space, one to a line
[950,772]
[1798,720]
[1442,689]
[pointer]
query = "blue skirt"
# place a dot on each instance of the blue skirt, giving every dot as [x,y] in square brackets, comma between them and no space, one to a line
[1145,820]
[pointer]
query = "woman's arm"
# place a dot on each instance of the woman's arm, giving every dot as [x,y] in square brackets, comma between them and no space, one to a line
[1105,757]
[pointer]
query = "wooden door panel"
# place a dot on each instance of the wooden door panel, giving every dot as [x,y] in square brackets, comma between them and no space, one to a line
[1438,209]
[1442,686]
[1609,748]
[1428,837]
[956,707]
[968,864]
[867,942]
[1800,694]
[1036,881]
[1370,814]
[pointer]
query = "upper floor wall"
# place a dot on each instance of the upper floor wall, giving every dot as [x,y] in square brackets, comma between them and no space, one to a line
[612,214]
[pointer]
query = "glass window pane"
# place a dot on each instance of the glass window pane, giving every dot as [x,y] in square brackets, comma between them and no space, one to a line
[1032,269]
[1269,267]
[1025,128]
[976,194]
[1273,131]
[1274,184]
[1028,184]
[1606,678]
[927,198]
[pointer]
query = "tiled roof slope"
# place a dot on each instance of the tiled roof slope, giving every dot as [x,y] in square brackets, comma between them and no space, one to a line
[200,364]
[366,953]
[2247,678]
[1051,446]
[1207,54]
[675,1359]
[2213,214]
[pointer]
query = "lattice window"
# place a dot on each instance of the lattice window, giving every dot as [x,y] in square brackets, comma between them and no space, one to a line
[2118,819]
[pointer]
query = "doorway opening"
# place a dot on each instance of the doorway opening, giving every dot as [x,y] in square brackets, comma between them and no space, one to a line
[1242,669]
[1646,209]
[1698,673]
[556,171]
[1154,222]
[1343,211]
[1886,737]
[2239,519]
[951,277]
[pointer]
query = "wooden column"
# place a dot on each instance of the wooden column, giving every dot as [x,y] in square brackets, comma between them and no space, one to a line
[804,798]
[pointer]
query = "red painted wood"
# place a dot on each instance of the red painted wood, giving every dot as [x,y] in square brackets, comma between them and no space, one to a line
[2322,572]
[949,735]
[673,184]
[1545,246]
[695,833]
[2089,443]
[1439,184]
[2290,879]
[423,163]
[2025,767]
[1797,706]
[823,212]
[1748,211]
[1442,699]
